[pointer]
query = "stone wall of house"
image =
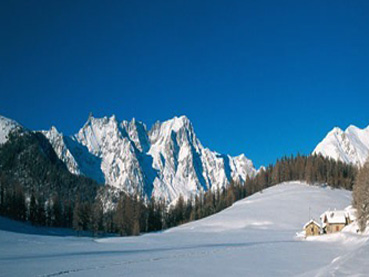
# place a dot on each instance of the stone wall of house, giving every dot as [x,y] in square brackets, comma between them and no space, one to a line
[312,230]
[333,228]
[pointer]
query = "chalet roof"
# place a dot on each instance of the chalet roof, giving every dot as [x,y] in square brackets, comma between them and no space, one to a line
[311,221]
[334,217]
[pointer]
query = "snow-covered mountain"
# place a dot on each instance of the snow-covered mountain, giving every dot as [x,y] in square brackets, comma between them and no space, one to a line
[349,146]
[166,161]
[6,126]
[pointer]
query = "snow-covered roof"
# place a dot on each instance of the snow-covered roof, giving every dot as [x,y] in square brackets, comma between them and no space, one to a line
[311,221]
[351,213]
[334,217]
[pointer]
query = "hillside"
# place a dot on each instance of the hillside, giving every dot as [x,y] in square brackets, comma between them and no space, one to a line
[254,237]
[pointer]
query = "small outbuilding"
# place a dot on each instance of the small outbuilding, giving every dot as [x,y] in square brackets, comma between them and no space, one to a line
[312,228]
[351,214]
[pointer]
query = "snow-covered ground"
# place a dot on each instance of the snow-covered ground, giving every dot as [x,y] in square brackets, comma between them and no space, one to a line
[254,237]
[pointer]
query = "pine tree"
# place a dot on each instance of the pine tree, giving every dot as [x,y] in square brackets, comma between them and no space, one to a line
[40,212]
[97,217]
[118,217]
[32,214]
[77,217]
[56,212]
[2,192]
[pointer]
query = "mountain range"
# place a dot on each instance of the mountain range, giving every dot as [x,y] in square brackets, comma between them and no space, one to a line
[167,160]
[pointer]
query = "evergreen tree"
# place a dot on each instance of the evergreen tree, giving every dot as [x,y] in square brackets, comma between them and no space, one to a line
[32,214]
[77,216]
[97,217]
[40,212]
[56,212]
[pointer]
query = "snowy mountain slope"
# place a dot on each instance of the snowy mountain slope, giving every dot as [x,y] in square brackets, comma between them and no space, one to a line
[6,126]
[254,237]
[121,161]
[166,161]
[56,139]
[74,155]
[349,146]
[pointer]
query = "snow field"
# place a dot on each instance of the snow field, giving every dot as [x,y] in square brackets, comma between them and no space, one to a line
[254,237]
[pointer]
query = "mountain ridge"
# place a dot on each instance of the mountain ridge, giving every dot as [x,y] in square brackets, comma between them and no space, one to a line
[349,146]
[165,162]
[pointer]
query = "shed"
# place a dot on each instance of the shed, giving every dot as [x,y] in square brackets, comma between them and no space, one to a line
[351,214]
[312,228]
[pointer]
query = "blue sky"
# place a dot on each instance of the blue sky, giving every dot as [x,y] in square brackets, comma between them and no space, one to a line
[257,77]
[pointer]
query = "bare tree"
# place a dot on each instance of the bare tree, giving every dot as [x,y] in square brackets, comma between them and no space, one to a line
[361,196]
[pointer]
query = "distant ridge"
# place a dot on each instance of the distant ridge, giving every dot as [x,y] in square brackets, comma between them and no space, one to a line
[349,146]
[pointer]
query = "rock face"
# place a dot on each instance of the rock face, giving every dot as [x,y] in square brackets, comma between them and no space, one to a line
[6,127]
[165,162]
[349,146]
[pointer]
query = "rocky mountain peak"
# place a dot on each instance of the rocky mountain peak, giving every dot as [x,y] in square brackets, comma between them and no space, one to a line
[6,127]
[349,146]
[165,162]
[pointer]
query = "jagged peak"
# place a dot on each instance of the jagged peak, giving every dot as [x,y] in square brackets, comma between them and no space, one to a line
[90,119]
[100,120]
[7,125]
[53,130]
[177,123]
[134,122]
[351,129]
[113,118]
[182,120]
[241,156]
[349,146]
[336,130]
[7,121]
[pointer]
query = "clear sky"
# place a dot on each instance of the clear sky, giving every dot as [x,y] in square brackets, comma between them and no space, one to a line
[264,78]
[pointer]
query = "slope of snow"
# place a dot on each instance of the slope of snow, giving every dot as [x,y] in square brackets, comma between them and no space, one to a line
[165,162]
[349,146]
[6,126]
[254,237]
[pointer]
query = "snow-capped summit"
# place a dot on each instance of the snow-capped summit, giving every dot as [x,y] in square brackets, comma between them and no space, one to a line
[349,146]
[166,161]
[6,126]
[137,132]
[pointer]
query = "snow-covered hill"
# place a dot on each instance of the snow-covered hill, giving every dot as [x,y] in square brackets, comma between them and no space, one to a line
[254,237]
[166,161]
[349,146]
